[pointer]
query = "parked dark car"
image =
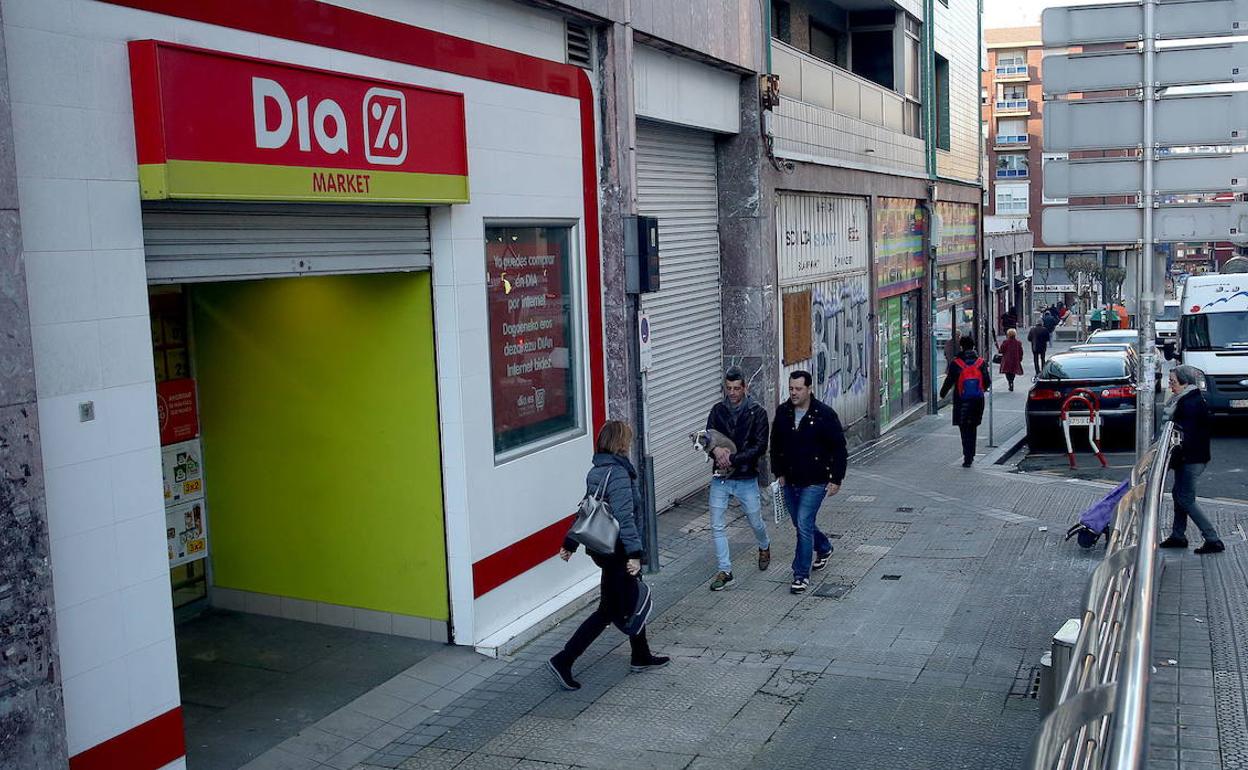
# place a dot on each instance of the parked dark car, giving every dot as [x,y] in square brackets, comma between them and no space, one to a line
[1110,374]
[1111,344]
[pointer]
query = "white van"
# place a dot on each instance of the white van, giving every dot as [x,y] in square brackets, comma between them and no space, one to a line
[1167,324]
[1213,337]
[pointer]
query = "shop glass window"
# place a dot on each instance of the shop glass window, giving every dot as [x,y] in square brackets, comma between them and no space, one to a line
[532,334]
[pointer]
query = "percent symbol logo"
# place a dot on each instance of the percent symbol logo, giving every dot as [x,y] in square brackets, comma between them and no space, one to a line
[385,126]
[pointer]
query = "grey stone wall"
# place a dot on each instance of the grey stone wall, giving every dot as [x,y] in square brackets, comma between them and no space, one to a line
[32,719]
[747,269]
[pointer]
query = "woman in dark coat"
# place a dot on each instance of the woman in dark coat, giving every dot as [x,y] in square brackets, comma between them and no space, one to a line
[619,569]
[1011,356]
[967,413]
[1187,409]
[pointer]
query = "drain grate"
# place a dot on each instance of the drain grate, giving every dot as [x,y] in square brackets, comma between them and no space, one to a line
[905,509]
[834,590]
[1026,684]
[890,577]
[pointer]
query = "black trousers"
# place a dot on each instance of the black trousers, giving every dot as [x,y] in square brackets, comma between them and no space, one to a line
[617,600]
[1037,359]
[1009,378]
[968,441]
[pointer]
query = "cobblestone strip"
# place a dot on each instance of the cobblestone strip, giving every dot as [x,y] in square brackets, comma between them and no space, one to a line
[1226,589]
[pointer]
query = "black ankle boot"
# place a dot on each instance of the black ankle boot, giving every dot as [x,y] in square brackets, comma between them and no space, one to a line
[562,672]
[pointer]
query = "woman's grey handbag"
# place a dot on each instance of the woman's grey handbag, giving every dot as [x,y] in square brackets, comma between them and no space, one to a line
[595,527]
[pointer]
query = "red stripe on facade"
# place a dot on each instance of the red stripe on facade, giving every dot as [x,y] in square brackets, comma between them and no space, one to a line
[149,746]
[518,558]
[149,136]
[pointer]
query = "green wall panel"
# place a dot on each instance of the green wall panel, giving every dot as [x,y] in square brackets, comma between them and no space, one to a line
[318,406]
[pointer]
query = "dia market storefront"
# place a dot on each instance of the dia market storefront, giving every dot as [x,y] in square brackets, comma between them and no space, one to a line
[342,305]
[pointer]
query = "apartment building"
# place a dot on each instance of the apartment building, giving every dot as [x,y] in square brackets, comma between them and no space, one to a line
[872,135]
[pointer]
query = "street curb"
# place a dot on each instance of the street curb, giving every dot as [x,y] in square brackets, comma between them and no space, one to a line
[1007,449]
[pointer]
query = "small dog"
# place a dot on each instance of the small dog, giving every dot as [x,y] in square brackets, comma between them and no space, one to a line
[707,441]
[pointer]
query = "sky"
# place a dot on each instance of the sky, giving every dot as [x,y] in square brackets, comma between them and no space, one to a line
[1020,13]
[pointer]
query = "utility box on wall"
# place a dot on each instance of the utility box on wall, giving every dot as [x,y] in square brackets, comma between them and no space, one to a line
[641,255]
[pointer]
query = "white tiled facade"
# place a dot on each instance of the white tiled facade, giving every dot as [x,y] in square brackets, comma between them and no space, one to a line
[80,216]
[957,39]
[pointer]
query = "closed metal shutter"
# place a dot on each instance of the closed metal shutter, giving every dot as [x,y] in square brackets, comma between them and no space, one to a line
[221,242]
[676,183]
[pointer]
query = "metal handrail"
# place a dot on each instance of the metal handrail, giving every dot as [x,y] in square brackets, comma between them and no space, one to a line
[1101,718]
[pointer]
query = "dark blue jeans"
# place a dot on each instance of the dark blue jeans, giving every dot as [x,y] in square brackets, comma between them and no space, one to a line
[803,504]
[1185,506]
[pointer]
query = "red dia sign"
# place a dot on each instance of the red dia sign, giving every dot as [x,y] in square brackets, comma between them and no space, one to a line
[217,126]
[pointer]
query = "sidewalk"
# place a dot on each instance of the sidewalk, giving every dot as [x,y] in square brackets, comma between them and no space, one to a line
[917,647]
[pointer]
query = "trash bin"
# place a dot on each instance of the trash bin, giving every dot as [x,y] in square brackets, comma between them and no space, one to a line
[1059,658]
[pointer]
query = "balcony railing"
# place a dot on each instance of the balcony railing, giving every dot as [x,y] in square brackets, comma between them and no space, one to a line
[1010,139]
[815,81]
[1011,173]
[1012,104]
[1011,70]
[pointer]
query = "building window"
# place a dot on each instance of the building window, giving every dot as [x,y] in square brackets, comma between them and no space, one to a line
[1011,131]
[1011,96]
[942,103]
[1012,166]
[1044,162]
[532,334]
[1012,199]
[781,21]
[829,44]
[1011,63]
[913,83]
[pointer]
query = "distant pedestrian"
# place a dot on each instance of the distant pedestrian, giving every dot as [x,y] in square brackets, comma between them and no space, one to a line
[809,458]
[1009,320]
[1187,409]
[969,377]
[1011,357]
[620,570]
[742,419]
[1050,319]
[1039,336]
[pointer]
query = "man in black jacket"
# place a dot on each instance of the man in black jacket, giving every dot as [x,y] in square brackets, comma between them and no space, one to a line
[744,420]
[809,458]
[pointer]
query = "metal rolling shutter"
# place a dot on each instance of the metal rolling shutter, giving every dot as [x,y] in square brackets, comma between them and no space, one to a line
[220,242]
[676,183]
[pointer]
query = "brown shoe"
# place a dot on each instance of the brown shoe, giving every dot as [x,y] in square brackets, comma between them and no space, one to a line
[764,558]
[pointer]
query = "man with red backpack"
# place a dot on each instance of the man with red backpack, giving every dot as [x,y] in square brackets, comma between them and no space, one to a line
[969,377]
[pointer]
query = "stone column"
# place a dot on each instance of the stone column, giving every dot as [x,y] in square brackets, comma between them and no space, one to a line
[32,716]
[747,269]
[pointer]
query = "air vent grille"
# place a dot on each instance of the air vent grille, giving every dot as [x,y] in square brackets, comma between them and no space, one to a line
[580,47]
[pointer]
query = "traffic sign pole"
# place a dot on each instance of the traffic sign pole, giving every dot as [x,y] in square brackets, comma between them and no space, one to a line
[1145,302]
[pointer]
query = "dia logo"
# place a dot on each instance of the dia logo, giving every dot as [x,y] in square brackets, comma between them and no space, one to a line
[384,124]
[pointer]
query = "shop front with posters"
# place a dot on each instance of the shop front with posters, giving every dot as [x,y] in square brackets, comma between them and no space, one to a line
[900,269]
[330,305]
[822,247]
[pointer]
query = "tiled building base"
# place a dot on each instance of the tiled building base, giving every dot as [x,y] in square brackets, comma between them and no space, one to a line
[307,611]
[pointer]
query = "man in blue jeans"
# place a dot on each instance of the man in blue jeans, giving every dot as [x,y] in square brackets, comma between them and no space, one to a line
[744,420]
[809,458]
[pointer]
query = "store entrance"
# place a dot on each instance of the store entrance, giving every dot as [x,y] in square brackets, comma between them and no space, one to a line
[902,354]
[304,523]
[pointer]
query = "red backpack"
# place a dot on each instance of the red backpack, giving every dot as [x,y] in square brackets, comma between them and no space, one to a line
[970,379]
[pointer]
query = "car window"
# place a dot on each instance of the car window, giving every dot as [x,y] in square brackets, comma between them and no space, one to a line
[1084,367]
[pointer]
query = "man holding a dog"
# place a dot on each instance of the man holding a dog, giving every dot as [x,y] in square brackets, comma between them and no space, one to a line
[743,420]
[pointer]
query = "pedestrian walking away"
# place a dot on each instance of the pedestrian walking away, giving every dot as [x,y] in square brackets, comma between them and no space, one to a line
[744,420]
[1039,338]
[1011,357]
[1187,409]
[620,585]
[809,458]
[1050,319]
[969,377]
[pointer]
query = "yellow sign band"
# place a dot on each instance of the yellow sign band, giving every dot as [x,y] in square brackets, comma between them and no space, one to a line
[205,180]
